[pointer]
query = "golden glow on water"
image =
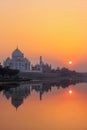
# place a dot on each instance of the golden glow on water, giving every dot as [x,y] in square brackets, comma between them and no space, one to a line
[70,91]
[56,111]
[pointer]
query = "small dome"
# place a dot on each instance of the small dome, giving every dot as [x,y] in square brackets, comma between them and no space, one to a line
[17,53]
[26,60]
[8,59]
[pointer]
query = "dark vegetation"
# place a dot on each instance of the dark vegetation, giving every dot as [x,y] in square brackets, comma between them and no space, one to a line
[54,75]
[65,72]
[7,73]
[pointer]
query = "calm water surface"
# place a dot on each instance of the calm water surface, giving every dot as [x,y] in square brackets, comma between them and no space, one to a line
[44,107]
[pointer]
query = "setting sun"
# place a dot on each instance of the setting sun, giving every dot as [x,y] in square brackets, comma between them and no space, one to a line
[70,62]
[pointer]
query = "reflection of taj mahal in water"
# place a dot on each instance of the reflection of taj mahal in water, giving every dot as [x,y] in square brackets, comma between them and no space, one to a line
[17,94]
[18,61]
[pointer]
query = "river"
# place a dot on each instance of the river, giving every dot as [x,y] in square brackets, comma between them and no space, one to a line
[44,106]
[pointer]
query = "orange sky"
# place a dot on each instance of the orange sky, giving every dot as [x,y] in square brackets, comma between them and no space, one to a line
[52,28]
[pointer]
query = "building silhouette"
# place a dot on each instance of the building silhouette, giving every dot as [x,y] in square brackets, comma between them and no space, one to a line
[21,63]
[18,61]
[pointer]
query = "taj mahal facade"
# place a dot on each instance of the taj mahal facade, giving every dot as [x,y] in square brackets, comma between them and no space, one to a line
[20,62]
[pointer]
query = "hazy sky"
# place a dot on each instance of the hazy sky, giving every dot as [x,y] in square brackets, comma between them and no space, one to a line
[55,29]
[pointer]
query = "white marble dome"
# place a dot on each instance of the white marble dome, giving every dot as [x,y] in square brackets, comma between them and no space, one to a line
[18,61]
[17,53]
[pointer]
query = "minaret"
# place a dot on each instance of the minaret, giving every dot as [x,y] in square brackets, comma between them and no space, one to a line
[41,95]
[41,63]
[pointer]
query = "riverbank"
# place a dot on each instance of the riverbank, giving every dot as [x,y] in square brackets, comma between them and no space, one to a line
[47,77]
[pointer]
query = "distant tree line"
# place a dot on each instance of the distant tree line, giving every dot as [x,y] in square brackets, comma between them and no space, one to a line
[6,72]
[65,72]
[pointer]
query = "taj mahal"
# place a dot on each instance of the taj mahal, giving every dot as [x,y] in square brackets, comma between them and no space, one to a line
[20,62]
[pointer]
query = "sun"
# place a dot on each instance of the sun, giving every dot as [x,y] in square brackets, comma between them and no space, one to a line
[70,62]
[70,91]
